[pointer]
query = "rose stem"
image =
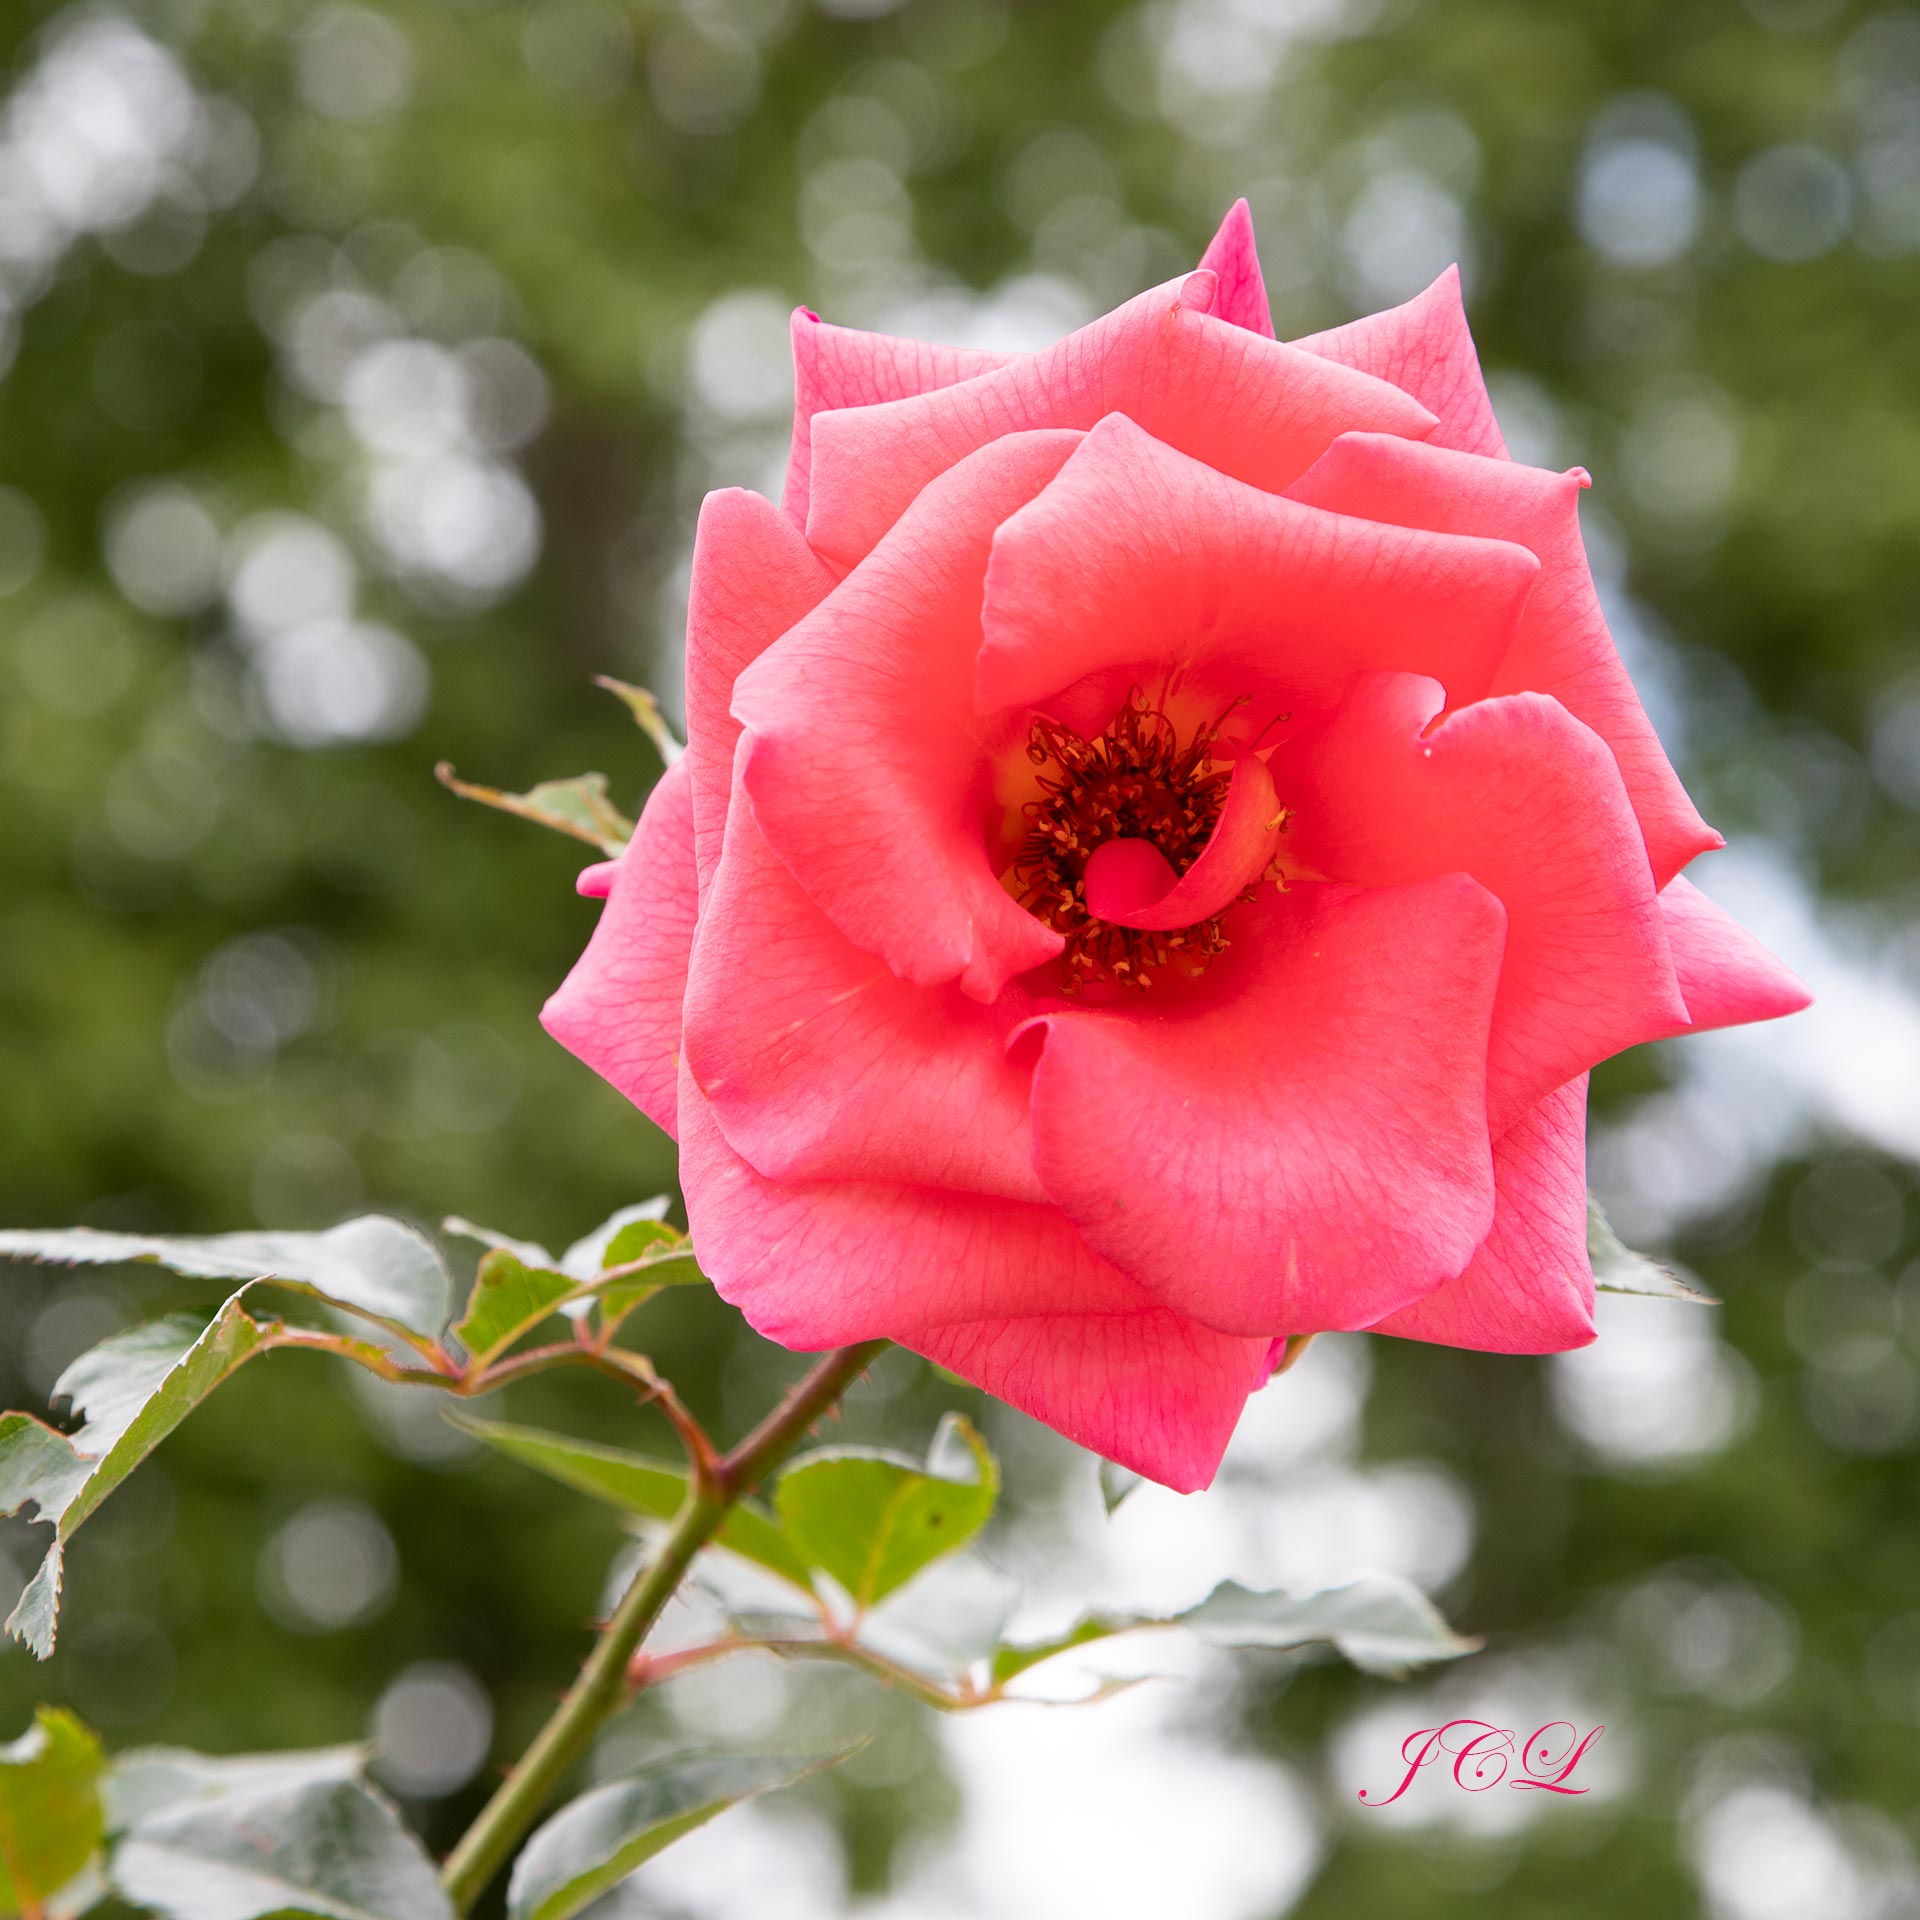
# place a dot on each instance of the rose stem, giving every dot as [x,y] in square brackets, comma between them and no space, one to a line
[602,1684]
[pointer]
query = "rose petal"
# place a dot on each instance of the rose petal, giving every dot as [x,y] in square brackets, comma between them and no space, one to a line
[864,755]
[753,576]
[1139,557]
[1426,349]
[1529,1289]
[1241,299]
[1516,792]
[1236,854]
[819,1263]
[1125,875]
[1727,977]
[1151,1391]
[619,1009]
[844,367]
[1563,646]
[1306,1146]
[1250,407]
[820,1064]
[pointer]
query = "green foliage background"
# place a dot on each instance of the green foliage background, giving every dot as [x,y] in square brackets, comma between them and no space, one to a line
[249,977]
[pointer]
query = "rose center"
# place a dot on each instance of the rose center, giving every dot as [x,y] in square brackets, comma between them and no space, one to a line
[1117,819]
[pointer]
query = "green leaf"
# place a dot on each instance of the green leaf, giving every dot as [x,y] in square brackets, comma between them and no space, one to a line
[647,715]
[520,1282]
[374,1266]
[578,806]
[590,1254]
[530,1251]
[638,1240]
[1009,1662]
[1618,1269]
[648,1489]
[1381,1624]
[509,1299]
[50,1814]
[152,1780]
[38,1467]
[133,1391]
[671,1266]
[332,1849]
[659,1257]
[594,1843]
[945,1621]
[872,1520]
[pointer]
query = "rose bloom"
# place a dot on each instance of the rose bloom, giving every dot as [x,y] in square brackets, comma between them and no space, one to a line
[1163,835]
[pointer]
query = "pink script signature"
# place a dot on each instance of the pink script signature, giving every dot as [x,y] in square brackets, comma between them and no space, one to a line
[1483,1754]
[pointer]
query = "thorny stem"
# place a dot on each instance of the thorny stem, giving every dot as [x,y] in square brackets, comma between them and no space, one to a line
[649,1670]
[603,1683]
[467,1383]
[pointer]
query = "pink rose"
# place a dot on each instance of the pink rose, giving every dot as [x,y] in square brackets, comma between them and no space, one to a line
[1164,834]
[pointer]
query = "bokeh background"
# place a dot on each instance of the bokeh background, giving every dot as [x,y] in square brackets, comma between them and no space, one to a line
[364,366]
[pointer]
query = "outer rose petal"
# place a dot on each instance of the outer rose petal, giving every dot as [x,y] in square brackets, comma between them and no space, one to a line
[1231,257]
[1563,646]
[1306,1148]
[1139,556]
[842,367]
[1727,976]
[1530,1287]
[753,577]
[1003,1293]
[820,1064]
[1519,794]
[1247,406]
[619,1009]
[1150,1390]
[1426,349]
[864,753]
[818,1263]
[836,367]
